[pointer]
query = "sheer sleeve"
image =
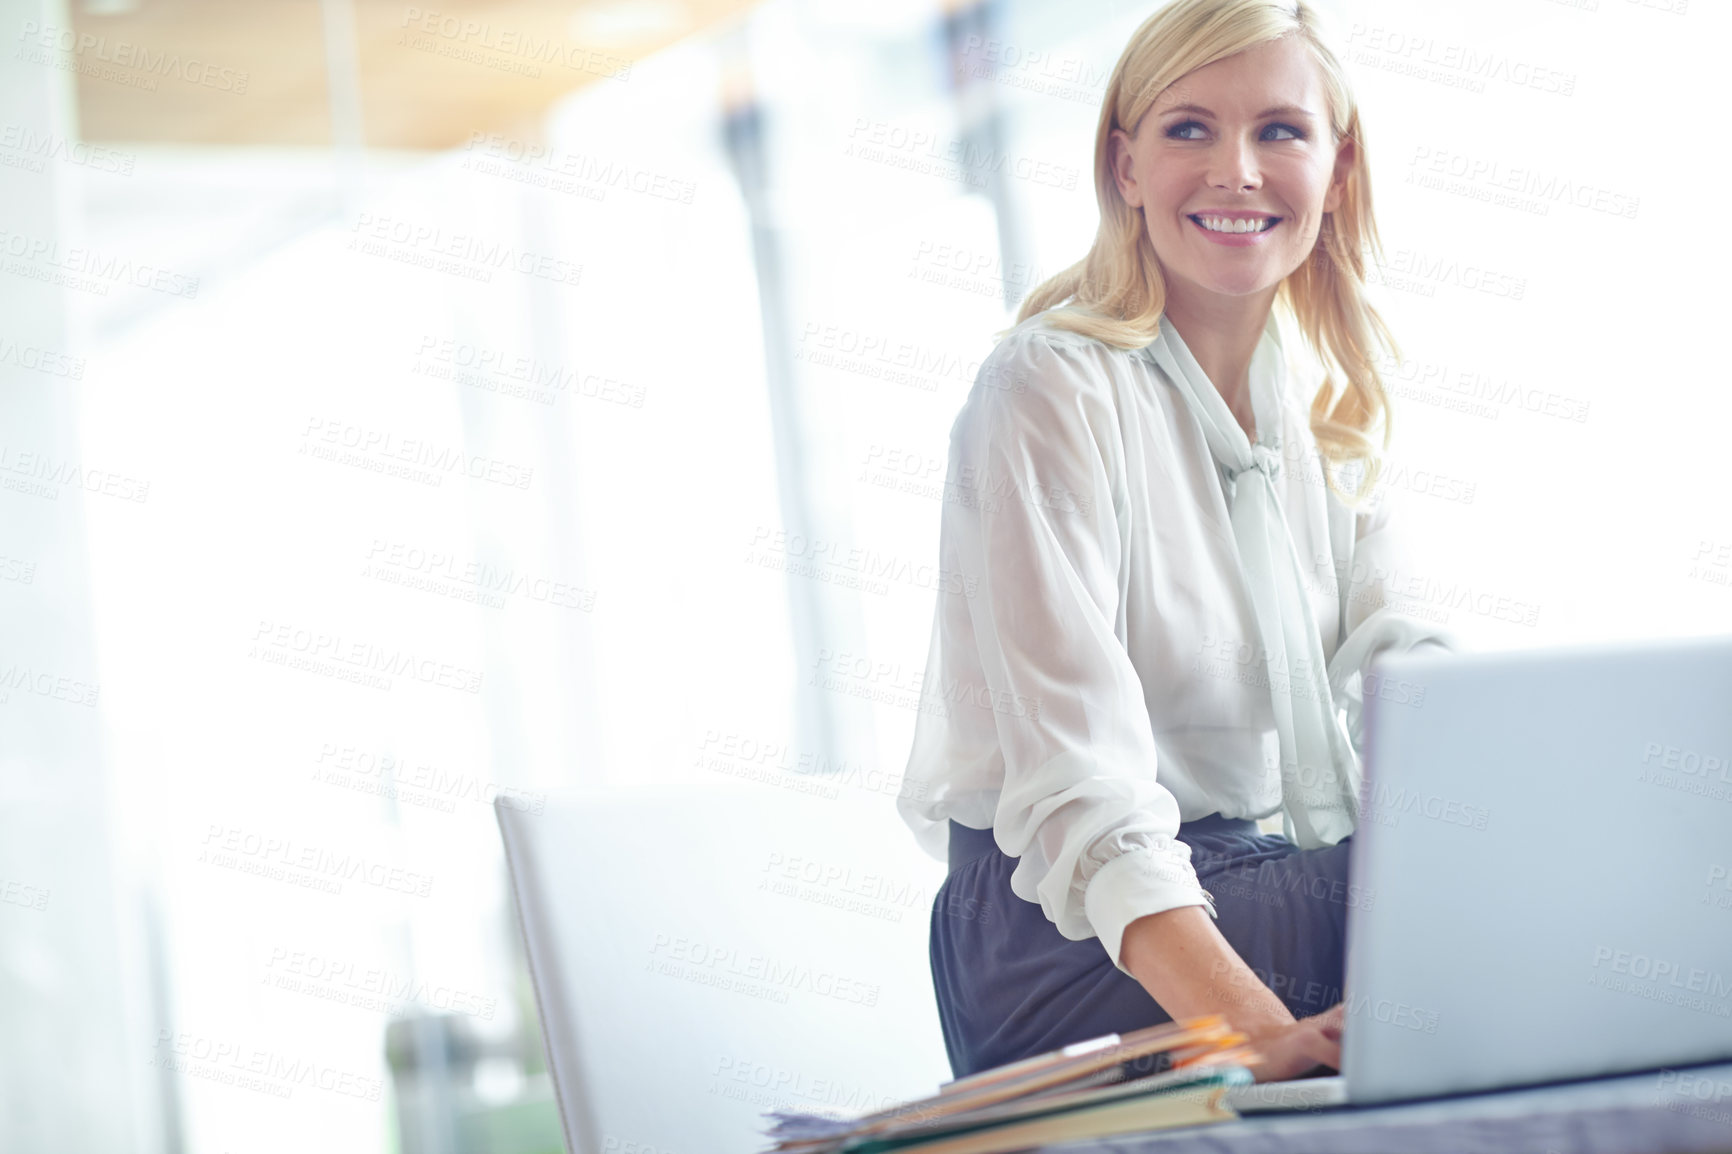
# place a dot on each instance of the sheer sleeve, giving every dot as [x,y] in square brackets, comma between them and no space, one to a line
[1080,804]
[1382,616]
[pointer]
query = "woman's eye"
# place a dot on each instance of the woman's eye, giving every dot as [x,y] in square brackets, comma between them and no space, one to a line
[1176,130]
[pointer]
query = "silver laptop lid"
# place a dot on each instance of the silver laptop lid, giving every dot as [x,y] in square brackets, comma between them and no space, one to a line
[1546,844]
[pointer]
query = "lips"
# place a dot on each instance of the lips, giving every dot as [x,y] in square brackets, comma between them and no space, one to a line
[1271,218]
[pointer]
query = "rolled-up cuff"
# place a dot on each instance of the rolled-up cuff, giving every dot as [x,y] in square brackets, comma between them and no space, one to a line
[1135,885]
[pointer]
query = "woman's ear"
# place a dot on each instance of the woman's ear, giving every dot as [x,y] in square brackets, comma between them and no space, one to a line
[1344,158]
[1124,167]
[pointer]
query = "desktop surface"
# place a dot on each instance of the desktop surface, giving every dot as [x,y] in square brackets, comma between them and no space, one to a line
[1668,1111]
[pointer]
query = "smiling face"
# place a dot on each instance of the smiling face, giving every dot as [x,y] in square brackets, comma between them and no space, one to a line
[1246,138]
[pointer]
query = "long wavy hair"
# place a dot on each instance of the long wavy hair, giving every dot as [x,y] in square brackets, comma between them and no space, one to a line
[1117,292]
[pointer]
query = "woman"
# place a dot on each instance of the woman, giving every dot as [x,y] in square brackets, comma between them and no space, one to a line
[1157,653]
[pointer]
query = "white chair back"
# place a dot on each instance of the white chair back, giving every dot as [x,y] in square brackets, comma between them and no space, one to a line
[702,954]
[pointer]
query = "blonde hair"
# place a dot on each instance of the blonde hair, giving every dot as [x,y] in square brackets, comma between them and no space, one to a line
[1116,293]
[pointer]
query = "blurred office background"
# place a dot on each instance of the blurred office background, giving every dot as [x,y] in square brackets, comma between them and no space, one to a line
[407,406]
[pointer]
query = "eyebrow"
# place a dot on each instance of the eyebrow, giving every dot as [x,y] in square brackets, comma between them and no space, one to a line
[1278,110]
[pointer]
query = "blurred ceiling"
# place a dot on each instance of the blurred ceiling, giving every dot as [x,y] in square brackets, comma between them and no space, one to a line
[253,72]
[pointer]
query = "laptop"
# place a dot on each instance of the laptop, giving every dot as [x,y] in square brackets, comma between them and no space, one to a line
[1545,846]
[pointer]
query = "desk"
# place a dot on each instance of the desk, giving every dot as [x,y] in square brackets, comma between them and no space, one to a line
[1633,1114]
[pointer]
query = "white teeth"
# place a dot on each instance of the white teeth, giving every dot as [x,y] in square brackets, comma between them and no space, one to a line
[1224,224]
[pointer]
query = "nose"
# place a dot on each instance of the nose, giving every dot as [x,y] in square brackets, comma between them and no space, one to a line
[1233,165]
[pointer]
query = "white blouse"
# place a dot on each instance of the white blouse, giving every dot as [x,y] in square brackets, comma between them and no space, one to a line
[1104,681]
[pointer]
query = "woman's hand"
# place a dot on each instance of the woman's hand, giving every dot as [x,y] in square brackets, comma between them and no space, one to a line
[1296,1048]
[1190,970]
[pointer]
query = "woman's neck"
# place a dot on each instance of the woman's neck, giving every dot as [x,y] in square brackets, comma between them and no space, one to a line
[1222,333]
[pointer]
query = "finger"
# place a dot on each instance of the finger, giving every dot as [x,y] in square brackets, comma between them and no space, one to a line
[1324,1049]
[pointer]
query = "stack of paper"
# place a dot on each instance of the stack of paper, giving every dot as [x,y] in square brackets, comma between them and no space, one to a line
[1078,1092]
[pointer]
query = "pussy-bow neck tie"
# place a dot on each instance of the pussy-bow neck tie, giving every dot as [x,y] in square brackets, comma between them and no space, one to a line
[1320,773]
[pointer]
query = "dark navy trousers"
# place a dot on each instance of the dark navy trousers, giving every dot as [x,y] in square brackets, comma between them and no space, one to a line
[1010,985]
